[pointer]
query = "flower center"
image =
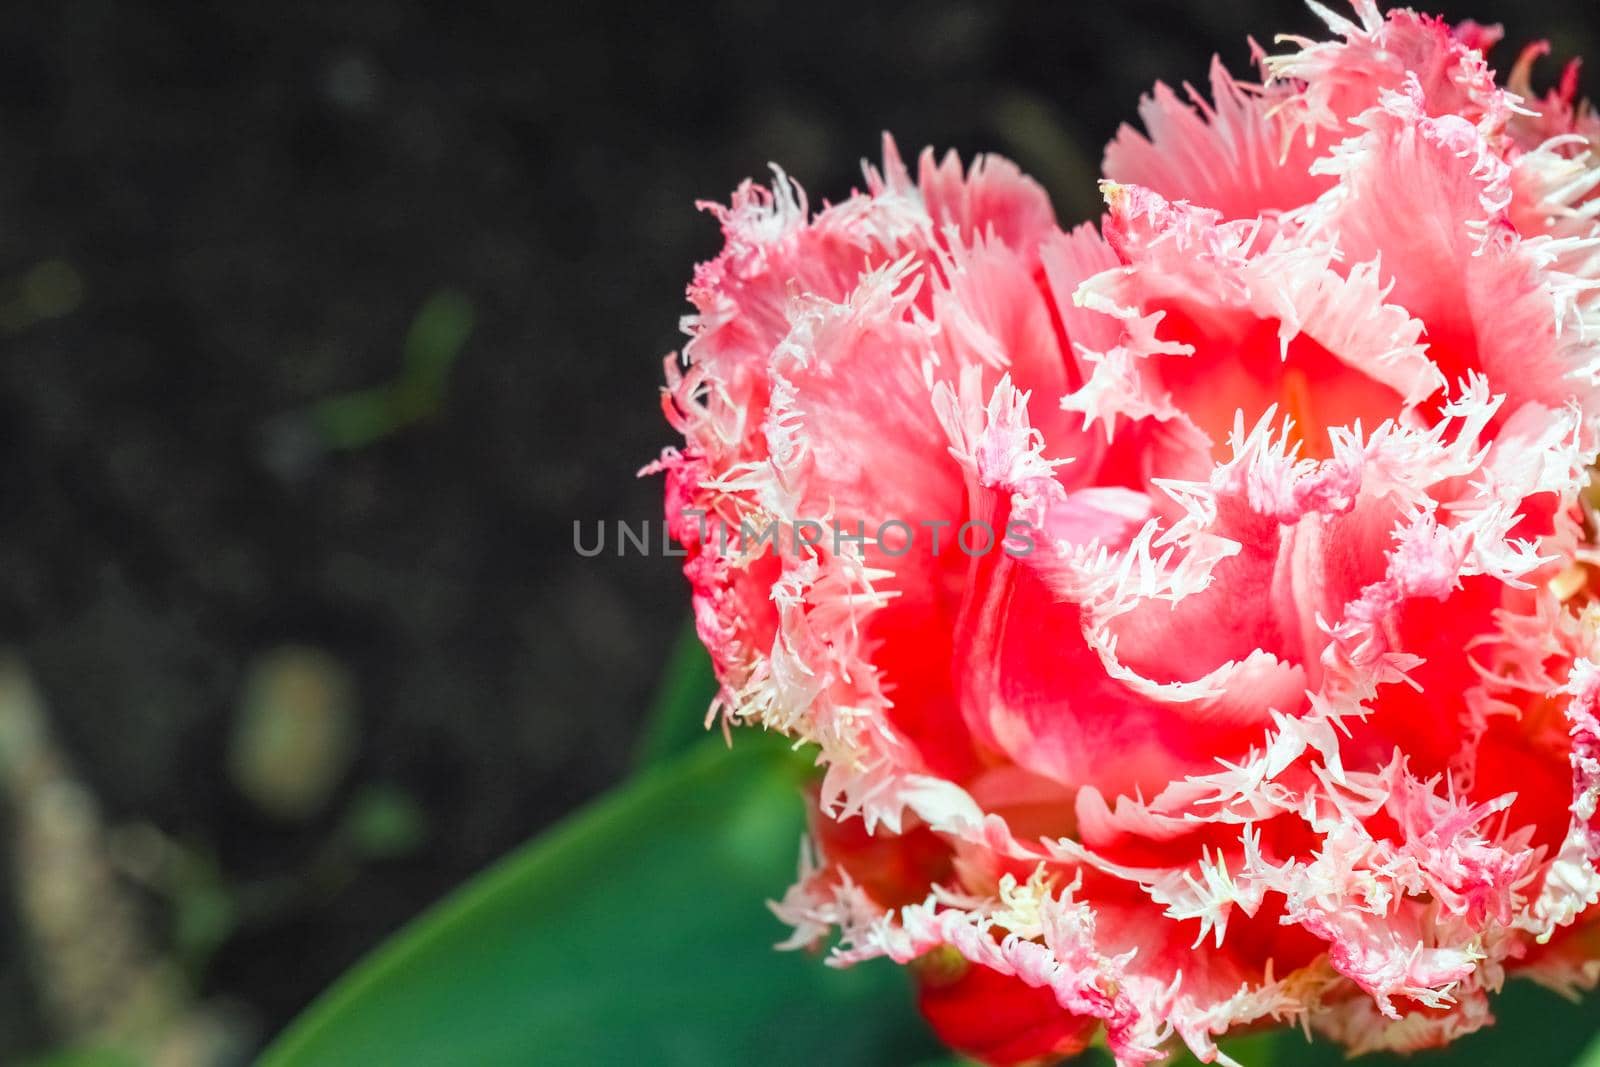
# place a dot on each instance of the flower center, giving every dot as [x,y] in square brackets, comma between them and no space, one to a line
[1304,429]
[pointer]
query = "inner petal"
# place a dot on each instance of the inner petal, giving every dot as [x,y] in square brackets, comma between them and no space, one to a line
[1241,365]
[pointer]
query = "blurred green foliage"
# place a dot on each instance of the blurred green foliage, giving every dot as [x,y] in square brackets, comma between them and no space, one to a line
[86,1057]
[383,822]
[48,290]
[435,339]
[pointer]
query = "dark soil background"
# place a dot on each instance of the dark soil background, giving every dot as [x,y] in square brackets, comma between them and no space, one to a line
[214,217]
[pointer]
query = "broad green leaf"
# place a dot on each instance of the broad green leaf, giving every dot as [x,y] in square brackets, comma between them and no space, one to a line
[1590,1056]
[634,933]
[677,716]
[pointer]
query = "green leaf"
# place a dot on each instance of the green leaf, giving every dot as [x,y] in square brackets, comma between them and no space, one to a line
[434,341]
[635,932]
[356,419]
[677,716]
[1531,1020]
[1529,1016]
[436,337]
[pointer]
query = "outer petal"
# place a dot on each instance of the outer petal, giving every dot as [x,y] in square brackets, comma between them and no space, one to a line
[1233,154]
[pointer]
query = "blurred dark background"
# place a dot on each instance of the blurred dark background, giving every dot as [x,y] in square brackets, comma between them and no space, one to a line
[322,322]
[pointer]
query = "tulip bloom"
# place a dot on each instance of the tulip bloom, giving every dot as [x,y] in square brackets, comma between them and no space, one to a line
[1277,700]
